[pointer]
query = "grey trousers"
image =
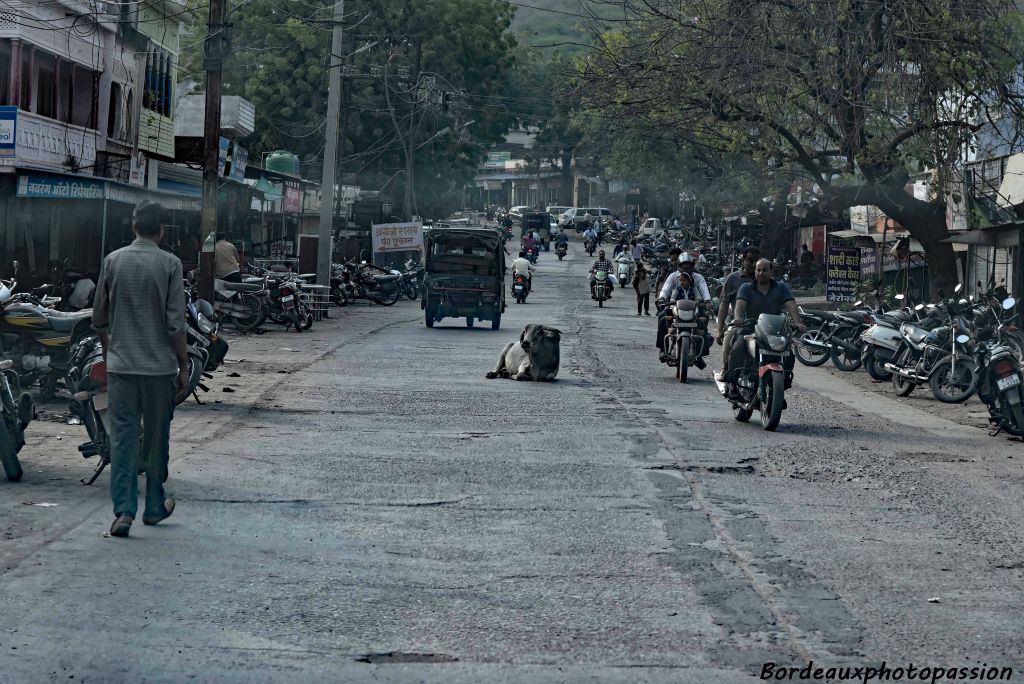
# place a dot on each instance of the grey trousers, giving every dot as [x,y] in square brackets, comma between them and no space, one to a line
[139,405]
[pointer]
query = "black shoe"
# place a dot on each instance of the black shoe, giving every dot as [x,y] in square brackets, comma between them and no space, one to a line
[699,363]
[121,525]
[154,519]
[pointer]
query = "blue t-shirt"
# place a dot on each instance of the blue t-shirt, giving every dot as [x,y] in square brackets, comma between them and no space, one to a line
[771,303]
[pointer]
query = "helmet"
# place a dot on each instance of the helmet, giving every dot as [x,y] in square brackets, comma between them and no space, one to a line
[686,257]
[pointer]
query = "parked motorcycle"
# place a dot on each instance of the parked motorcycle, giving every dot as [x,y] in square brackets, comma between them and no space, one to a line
[920,349]
[366,281]
[240,304]
[87,381]
[285,303]
[412,279]
[37,339]
[16,412]
[1000,385]
[206,348]
[70,289]
[762,386]
[520,288]
[882,339]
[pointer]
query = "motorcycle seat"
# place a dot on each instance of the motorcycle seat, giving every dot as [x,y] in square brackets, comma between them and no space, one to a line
[818,313]
[389,278]
[64,321]
[240,287]
[915,334]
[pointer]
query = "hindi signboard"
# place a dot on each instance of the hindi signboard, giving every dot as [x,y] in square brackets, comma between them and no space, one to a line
[396,237]
[59,187]
[843,274]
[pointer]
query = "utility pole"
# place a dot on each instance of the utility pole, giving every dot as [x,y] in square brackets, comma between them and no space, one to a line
[214,49]
[323,262]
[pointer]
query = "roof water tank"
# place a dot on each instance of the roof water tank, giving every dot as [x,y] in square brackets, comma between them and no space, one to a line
[283,161]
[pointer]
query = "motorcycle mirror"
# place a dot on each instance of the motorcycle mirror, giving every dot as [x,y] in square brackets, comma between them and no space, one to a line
[1009,303]
[919,307]
[959,286]
[963,339]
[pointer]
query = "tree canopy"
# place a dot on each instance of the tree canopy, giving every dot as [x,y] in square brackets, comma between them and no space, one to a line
[853,95]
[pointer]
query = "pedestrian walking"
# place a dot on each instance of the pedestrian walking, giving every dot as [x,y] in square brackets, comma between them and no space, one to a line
[642,285]
[139,314]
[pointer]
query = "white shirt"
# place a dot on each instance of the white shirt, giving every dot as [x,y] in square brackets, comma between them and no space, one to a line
[638,252]
[590,233]
[522,266]
[672,282]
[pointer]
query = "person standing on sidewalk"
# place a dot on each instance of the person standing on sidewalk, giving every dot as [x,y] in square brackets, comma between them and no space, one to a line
[642,285]
[140,317]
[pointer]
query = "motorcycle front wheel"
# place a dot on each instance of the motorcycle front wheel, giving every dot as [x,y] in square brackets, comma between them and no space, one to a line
[875,366]
[390,297]
[901,385]
[9,453]
[808,355]
[254,316]
[774,398]
[682,358]
[844,360]
[954,386]
[412,292]
[741,414]
[195,375]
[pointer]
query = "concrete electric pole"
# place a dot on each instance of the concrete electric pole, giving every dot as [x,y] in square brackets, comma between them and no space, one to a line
[214,51]
[323,263]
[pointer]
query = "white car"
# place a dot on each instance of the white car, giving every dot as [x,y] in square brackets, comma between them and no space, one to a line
[651,227]
[557,212]
[517,212]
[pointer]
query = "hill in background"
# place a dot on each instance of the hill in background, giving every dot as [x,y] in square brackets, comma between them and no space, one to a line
[539,28]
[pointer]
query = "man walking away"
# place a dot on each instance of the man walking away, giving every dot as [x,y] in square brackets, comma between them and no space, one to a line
[140,317]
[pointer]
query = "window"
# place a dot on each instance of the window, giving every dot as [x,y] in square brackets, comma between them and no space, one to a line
[114,112]
[46,85]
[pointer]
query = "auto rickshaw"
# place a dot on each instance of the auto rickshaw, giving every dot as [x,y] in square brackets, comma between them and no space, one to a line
[465,275]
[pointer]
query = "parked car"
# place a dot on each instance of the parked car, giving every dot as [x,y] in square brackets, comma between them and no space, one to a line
[576,215]
[651,227]
[516,213]
[557,212]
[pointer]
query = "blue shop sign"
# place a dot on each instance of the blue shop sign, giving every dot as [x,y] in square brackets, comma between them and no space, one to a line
[58,187]
[8,131]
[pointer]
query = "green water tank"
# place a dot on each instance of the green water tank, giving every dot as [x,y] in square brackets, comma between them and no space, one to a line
[283,161]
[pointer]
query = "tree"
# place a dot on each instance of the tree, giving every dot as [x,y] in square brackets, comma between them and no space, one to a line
[460,47]
[854,95]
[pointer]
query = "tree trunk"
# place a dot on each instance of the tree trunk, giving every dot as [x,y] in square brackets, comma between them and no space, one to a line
[924,220]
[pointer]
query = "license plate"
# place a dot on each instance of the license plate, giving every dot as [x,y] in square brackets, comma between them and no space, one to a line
[288,298]
[1006,383]
[100,401]
[685,325]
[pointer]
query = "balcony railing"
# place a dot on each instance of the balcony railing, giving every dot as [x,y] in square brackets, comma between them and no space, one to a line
[47,144]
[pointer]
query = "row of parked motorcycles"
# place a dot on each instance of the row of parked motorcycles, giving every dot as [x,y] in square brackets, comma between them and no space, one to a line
[352,281]
[42,345]
[958,347]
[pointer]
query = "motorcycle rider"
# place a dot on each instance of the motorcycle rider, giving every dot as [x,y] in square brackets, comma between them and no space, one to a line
[686,265]
[686,289]
[730,287]
[763,296]
[636,251]
[562,238]
[226,263]
[523,267]
[590,234]
[602,264]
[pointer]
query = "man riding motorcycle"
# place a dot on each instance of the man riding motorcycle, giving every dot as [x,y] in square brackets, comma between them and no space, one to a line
[730,287]
[685,289]
[562,238]
[763,296]
[522,266]
[602,264]
[686,263]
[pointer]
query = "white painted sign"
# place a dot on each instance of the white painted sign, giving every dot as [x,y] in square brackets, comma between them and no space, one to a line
[397,237]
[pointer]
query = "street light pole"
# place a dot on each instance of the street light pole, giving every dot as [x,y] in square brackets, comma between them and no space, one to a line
[323,262]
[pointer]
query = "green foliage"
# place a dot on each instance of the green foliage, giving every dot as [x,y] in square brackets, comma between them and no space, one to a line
[279,62]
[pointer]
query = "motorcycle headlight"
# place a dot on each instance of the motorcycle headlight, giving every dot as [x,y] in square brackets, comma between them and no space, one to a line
[776,342]
[205,325]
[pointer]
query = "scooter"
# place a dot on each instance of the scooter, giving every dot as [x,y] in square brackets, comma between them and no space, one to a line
[624,268]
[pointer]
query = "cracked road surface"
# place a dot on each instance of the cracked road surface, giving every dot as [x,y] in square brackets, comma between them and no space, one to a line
[367,507]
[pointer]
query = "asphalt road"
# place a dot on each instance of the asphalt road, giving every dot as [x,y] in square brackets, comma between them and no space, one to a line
[365,506]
